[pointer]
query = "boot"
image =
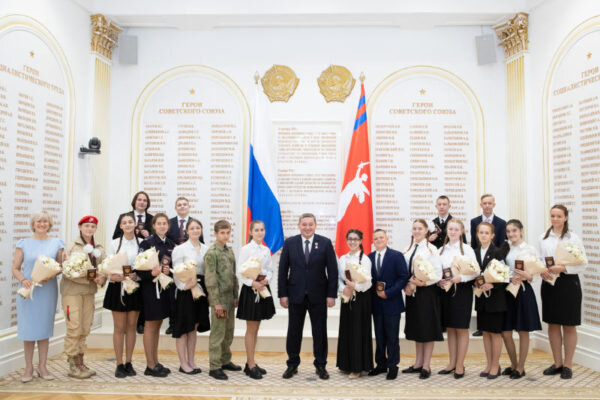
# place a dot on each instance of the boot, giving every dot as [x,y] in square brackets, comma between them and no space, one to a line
[74,371]
[84,367]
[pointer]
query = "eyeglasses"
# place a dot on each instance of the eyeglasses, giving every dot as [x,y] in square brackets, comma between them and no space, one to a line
[353,240]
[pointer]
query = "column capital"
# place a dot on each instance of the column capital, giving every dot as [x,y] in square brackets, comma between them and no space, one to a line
[513,34]
[105,35]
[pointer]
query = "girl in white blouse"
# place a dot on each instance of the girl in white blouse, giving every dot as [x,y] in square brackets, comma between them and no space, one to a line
[457,303]
[561,303]
[251,306]
[423,303]
[125,307]
[191,315]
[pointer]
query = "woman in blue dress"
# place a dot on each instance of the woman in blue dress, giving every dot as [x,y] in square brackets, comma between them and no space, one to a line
[35,316]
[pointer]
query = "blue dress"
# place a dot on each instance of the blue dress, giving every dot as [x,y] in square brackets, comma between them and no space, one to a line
[35,317]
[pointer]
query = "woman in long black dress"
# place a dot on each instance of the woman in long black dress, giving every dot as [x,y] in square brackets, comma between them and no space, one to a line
[521,312]
[561,303]
[423,302]
[155,301]
[355,344]
[490,306]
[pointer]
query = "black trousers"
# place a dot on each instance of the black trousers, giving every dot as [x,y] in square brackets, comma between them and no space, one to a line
[387,340]
[318,322]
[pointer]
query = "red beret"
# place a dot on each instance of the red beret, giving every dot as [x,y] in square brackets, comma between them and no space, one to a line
[89,218]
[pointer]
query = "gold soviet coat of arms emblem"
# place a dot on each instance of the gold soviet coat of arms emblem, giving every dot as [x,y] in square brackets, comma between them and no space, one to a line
[279,83]
[336,83]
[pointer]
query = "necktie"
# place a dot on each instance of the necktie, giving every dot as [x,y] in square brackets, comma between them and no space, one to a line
[306,250]
[140,222]
[378,264]
[181,229]
[441,221]
[410,260]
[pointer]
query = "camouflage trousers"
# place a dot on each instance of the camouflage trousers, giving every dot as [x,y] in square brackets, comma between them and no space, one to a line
[221,337]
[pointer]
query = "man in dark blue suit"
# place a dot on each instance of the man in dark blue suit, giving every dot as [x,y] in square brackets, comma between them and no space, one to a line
[307,281]
[177,224]
[487,207]
[389,269]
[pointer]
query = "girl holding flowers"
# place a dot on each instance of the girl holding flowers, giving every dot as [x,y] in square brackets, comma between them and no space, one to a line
[355,346]
[253,307]
[78,293]
[561,302]
[35,318]
[191,314]
[423,302]
[155,301]
[457,303]
[125,307]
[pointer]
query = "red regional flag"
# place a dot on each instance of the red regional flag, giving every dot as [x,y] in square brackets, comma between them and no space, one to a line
[355,209]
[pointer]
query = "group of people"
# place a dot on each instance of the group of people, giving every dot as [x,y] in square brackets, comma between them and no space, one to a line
[310,278]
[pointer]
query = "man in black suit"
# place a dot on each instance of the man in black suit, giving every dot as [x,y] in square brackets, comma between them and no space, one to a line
[140,205]
[437,238]
[388,269]
[487,208]
[177,224]
[307,281]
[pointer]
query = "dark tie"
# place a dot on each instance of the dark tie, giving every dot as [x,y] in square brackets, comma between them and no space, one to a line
[140,222]
[378,264]
[181,229]
[306,250]
[410,260]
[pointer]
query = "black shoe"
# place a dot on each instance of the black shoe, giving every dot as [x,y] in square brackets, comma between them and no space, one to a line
[156,372]
[392,374]
[169,330]
[484,374]
[490,376]
[553,370]
[218,374]
[197,371]
[424,374]
[377,370]
[446,372]
[231,367]
[183,371]
[290,371]
[162,367]
[120,372]
[508,371]
[517,375]
[140,329]
[261,370]
[322,373]
[129,369]
[566,373]
[458,376]
[412,370]
[477,333]
[253,372]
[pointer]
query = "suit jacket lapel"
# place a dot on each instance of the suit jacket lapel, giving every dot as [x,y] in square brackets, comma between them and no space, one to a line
[301,248]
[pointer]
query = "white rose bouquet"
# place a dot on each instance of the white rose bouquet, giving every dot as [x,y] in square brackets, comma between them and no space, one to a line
[495,272]
[113,265]
[251,269]
[76,266]
[186,272]
[358,274]
[44,268]
[466,265]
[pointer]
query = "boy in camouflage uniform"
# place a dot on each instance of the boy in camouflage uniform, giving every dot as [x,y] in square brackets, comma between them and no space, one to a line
[222,286]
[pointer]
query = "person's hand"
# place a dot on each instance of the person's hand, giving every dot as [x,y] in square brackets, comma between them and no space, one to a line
[416,282]
[100,280]
[456,279]
[27,283]
[145,233]
[219,310]
[523,275]
[557,269]
[433,237]
[381,293]
[347,291]
[191,284]
[256,285]
[133,276]
[284,302]
[487,286]
[166,269]
[409,290]
[546,276]
[442,283]
[515,280]
[330,302]
[350,283]
[155,270]
[116,278]
[235,303]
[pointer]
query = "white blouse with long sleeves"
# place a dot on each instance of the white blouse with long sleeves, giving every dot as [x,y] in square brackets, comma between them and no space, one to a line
[547,248]
[260,251]
[452,250]
[427,251]
[127,246]
[515,251]
[187,252]
[348,259]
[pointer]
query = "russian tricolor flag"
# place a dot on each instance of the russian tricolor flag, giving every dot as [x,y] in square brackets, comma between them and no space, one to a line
[262,201]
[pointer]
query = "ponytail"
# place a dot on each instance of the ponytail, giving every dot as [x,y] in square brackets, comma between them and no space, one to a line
[565,229]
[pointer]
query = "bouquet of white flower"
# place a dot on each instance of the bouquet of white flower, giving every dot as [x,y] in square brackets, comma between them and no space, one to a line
[466,265]
[357,274]
[147,260]
[186,272]
[569,254]
[531,265]
[44,268]
[76,266]
[113,265]
[495,272]
[423,269]
[251,269]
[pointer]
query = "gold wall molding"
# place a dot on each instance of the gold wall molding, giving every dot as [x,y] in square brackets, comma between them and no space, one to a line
[336,83]
[513,34]
[279,83]
[105,35]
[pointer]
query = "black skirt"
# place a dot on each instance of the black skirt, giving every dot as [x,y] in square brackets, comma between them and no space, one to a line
[155,309]
[522,313]
[114,302]
[457,305]
[250,310]
[561,303]
[355,343]
[423,315]
[491,321]
[189,312]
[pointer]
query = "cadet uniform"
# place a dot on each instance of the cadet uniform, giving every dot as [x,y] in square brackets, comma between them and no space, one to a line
[222,287]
